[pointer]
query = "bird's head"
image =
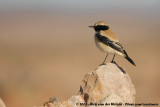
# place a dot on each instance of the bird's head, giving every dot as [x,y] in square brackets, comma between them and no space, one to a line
[100,25]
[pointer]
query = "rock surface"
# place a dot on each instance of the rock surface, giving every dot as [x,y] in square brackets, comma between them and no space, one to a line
[107,85]
[2,103]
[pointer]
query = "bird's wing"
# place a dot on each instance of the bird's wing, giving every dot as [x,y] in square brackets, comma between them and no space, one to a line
[115,45]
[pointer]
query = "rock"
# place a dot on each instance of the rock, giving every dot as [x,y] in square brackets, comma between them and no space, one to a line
[2,103]
[108,84]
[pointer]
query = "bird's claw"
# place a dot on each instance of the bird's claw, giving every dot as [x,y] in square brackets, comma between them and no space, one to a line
[102,64]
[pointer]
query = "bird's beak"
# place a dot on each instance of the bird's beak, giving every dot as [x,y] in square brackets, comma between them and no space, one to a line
[91,26]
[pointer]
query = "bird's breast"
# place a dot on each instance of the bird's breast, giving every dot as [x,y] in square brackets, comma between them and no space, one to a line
[103,47]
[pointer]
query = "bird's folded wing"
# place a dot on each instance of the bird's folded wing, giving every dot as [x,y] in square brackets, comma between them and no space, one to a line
[115,45]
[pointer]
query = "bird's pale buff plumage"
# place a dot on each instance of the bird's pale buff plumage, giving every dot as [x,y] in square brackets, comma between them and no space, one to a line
[107,41]
[109,34]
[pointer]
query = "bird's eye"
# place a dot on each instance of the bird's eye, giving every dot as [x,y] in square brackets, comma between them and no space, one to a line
[101,27]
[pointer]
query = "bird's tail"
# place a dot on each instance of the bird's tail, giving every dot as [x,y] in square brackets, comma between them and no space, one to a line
[128,58]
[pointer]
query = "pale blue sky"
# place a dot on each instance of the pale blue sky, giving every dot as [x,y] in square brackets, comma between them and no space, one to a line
[77,4]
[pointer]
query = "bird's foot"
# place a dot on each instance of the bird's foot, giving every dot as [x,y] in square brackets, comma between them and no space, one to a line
[102,64]
[113,62]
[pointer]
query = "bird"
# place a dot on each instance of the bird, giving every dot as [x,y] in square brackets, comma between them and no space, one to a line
[107,41]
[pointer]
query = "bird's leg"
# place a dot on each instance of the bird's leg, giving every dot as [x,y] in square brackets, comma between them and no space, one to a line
[113,59]
[104,60]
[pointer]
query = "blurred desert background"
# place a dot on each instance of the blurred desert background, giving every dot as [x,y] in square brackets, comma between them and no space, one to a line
[46,47]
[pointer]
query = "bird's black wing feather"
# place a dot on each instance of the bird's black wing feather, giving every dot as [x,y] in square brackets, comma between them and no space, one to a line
[115,45]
